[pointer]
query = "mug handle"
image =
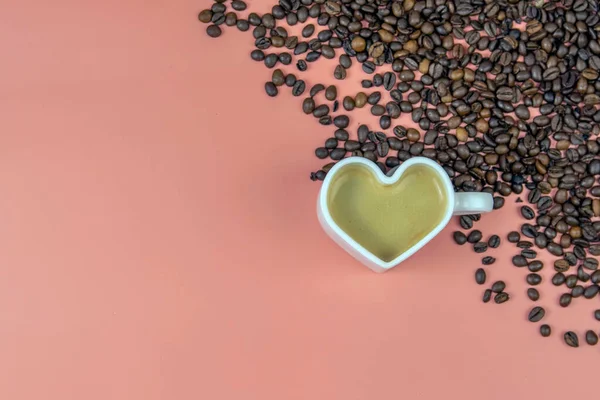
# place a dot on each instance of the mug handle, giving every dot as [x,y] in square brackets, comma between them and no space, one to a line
[472,203]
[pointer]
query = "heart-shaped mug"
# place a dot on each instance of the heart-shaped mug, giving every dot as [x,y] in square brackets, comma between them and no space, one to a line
[454,203]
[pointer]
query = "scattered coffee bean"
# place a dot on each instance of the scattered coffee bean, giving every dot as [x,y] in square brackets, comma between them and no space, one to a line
[480,247]
[494,241]
[480,276]
[519,261]
[474,236]
[487,295]
[501,298]
[545,330]
[533,294]
[488,260]
[534,279]
[571,339]
[498,286]
[459,237]
[514,237]
[536,314]
[565,300]
[591,338]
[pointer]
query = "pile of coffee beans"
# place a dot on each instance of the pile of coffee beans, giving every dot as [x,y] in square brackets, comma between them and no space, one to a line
[503,94]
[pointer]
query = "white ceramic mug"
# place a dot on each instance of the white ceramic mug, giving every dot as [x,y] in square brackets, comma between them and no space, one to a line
[457,204]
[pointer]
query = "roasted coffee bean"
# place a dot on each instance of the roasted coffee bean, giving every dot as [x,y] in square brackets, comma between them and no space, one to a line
[519,261]
[487,295]
[565,299]
[514,237]
[498,286]
[529,254]
[536,314]
[271,89]
[533,279]
[591,338]
[488,260]
[535,266]
[577,291]
[571,339]
[571,281]
[561,265]
[591,291]
[480,247]
[494,241]
[597,314]
[558,279]
[474,236]
[480,276]
[213,31]
[545,330]
[533,294]
[527,212]
[501,298]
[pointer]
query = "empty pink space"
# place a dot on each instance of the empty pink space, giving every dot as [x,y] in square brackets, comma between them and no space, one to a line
[158,236]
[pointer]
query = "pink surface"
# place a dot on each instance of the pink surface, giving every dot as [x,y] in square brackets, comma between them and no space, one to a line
[158,237]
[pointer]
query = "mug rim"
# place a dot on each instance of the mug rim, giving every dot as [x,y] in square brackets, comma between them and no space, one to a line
[385,180]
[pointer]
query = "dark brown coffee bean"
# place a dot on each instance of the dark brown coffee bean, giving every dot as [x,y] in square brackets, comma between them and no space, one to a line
[498,286]
[571,281]
[533,294]
[527,212]
[488,260]
[565,300]
[487,295]
[534,279]
[535,266]
[577,291]
[536,314]
[597,314]
[558,279]
[561,265]
[213,31]
[474,236]
[571,339]
[529,254]
[480,247]
[591,291]
[591,338]
[514,237]
[501,298]
[271,89]
[519,261]
[494,241]
[590,263]
[545,330]
[480,276]
[466,222]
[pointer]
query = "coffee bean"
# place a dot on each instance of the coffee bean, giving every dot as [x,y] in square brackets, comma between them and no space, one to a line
[519,261]
[480,276]
[533,279]
[271,89]
[339,73]
[213,31]
[545,330]
[474,236]
[487,295]
[558,279]
[535,266]
[494,241]
[571,339]
[530,254]
[514,237]
[536,314]
[308,105]
[488,260]
[498,286]
[590,263]
[571,281]
[591,291]
[527,212]
[565,299]
[533,294]
[597,314]
[577,291]
[501,298]
[591,338]
[480,247]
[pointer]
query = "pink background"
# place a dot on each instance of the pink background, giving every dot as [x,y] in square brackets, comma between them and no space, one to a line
[158,237]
